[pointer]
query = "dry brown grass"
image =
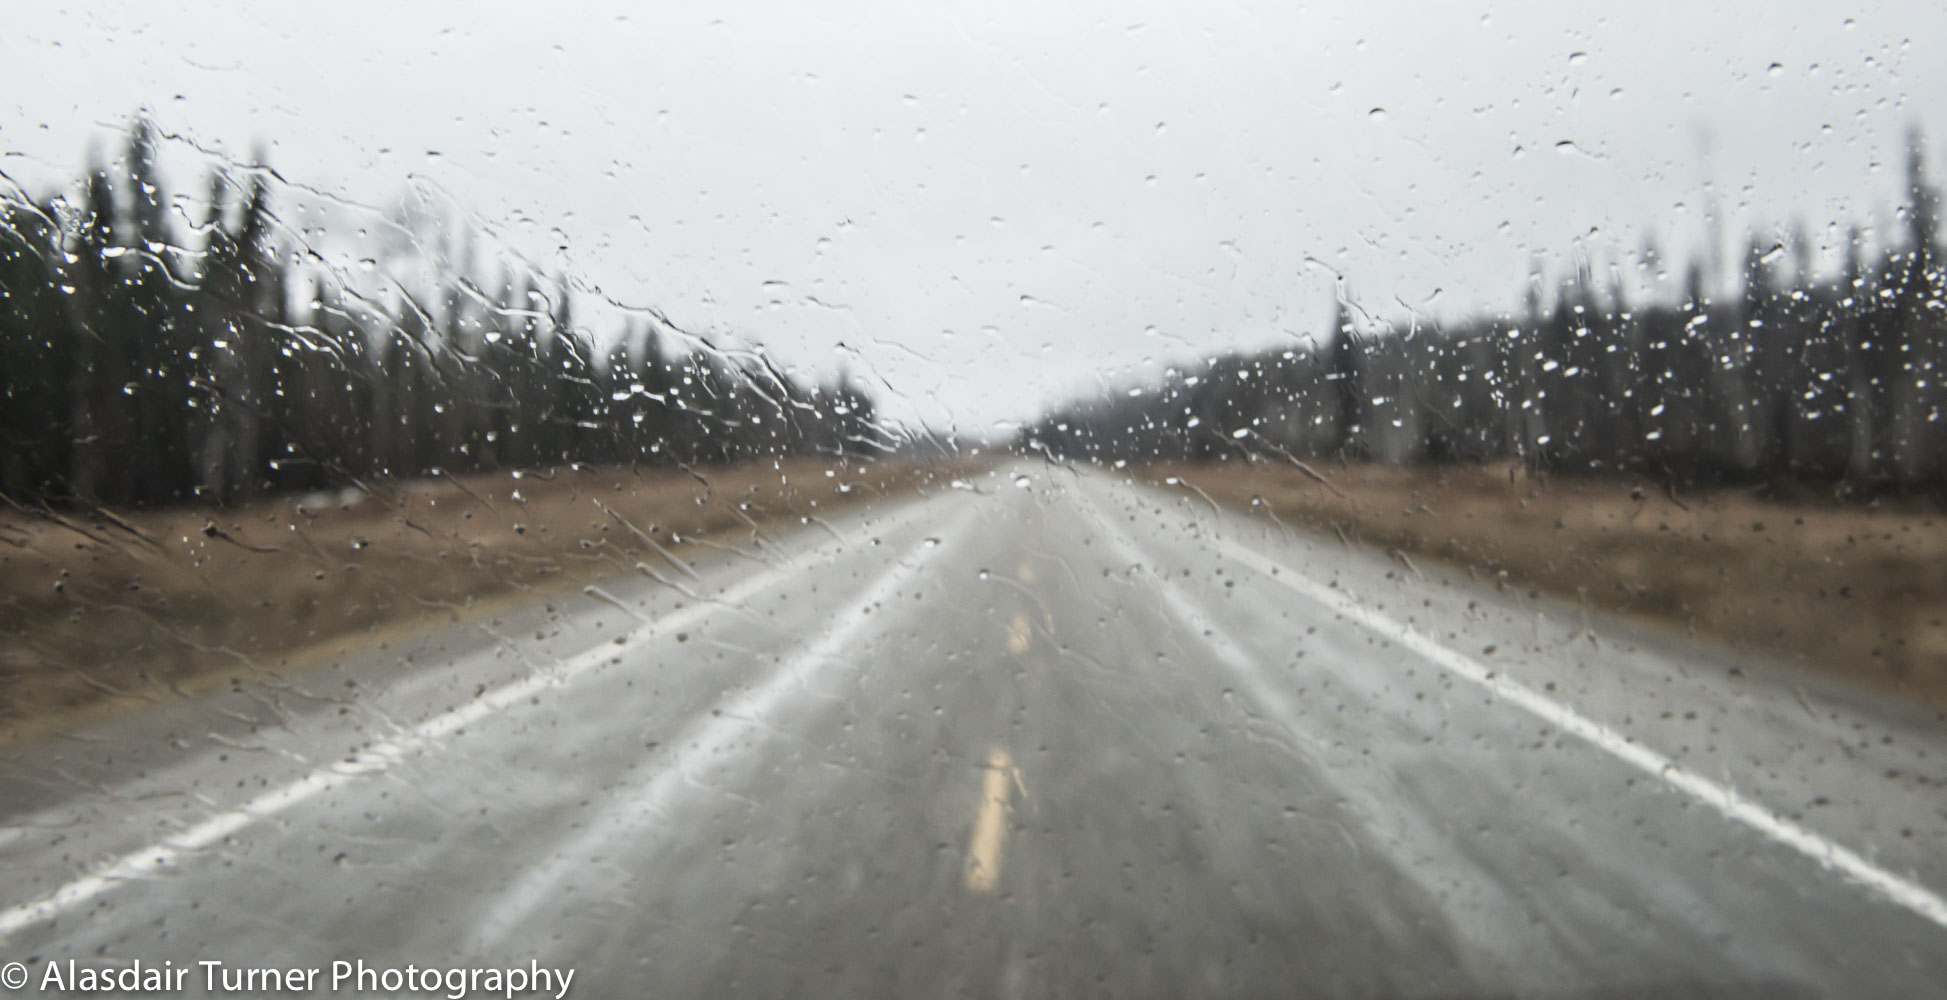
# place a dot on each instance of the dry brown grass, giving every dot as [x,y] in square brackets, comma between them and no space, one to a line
[132,603]
[1855,590]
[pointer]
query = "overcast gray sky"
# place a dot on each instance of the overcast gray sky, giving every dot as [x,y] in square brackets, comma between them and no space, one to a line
[989,206]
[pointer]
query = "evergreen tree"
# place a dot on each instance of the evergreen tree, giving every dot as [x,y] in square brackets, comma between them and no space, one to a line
[1347,368]
[36,411]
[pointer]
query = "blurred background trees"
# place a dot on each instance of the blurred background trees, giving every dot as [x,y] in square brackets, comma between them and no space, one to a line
[147,359]
[1796,378]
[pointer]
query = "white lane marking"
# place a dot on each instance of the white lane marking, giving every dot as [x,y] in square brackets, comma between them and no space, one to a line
[708,743]
[154,859]
[1830,854]
[1899,890]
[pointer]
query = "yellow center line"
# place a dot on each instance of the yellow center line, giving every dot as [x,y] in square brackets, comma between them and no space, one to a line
[990,825]
[1020,632]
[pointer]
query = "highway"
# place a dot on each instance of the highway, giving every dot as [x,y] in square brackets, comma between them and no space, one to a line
[1052,735]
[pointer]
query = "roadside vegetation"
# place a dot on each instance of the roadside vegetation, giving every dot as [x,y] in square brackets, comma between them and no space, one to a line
[150,604]
[1852,590]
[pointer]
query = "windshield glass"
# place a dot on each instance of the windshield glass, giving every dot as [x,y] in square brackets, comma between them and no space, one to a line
[995,500]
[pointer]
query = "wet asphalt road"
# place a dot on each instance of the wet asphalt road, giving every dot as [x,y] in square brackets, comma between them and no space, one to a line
[1070,737]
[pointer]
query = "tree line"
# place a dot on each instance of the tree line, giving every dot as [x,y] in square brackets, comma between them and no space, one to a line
[1794,377]
[146,359]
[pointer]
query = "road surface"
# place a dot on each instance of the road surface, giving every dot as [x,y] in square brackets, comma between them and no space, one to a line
[1057,735]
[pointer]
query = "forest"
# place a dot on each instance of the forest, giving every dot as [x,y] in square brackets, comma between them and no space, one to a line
[1795,378]
[156,350]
